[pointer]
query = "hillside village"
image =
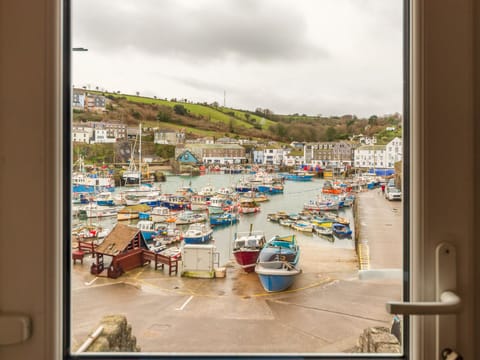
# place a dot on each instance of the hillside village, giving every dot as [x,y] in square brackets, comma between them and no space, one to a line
[162,141]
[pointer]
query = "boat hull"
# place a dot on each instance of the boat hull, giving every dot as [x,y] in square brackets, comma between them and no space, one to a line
[247,259]
[276,276]
[191,240]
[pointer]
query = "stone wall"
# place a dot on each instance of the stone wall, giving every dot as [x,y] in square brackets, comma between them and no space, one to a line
[116,336]
[378,340]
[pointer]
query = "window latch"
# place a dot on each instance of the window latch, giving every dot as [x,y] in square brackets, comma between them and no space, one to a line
[14,328]
[447,302]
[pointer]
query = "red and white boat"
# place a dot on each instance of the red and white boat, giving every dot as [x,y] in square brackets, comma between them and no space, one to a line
[246,247]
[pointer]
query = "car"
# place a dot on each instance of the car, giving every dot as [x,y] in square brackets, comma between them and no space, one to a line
[392,193]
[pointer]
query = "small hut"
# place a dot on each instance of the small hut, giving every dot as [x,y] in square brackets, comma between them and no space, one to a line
[125,245]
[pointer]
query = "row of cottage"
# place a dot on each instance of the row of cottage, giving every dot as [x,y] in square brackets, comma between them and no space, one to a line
[339,154]
[359,152]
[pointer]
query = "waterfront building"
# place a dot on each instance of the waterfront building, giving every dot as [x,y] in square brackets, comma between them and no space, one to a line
[169,137]
[370,156]
[379,156]
[339,154]
[294,158]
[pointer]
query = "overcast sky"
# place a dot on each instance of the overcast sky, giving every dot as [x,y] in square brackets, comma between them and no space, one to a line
[329,57]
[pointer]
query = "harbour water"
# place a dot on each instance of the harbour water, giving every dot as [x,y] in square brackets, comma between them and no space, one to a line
[295,195]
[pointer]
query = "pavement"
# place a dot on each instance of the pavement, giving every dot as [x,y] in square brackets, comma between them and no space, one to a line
[325,311]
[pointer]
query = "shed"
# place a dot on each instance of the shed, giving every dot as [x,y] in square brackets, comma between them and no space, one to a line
[125,245]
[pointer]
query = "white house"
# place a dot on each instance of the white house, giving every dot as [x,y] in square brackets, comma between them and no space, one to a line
[81,136]
[273,156]
[371,156]
[293,158]
[394,152]
[100,136]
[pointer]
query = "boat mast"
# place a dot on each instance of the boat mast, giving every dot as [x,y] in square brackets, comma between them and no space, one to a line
[140,155]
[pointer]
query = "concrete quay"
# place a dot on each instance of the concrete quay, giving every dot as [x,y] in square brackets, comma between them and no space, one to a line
[325,311]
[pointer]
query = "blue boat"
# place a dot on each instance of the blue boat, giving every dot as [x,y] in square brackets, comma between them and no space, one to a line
[270,189]
[277,263]
[223,219]
[197,234]
[298,175]
[341,231]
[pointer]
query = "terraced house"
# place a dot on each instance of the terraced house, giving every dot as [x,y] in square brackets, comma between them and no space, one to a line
[330,154]
[215,153]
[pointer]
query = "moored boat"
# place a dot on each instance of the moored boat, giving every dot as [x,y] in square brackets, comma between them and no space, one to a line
[246,247]
[197,234]
[302,225]
[226,218]
[341,231]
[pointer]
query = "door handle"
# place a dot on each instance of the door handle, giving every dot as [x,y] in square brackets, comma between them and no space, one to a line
[449,304]
[446,304]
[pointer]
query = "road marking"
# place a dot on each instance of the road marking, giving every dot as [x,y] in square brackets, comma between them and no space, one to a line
[185,303]
[91,282]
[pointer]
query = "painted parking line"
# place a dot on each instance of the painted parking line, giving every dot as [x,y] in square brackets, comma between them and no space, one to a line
[91,282]
[185,303]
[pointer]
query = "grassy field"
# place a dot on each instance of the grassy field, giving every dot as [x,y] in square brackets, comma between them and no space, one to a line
[223,115]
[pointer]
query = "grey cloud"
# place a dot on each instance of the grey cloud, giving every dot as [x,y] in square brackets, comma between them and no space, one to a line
[243,30]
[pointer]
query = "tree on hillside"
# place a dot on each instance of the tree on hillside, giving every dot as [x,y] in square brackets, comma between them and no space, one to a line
[180,110]
[331,133]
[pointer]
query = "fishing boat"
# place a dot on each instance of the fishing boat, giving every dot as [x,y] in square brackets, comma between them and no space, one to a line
[277,263]
[302,225]
[197,234]
[207,191]
[147,228]
[246,247]
[167,233]
[105,199]
[84,182]
[199,202]
[270,189]
[299,175]
[189,217]
[341,231]
[248,206]
[286,222]
[252,195]
[322,205]
[160,214]
[217,204]
[175,202]
[226,218]
[92,210]
[323,230]
[275,217]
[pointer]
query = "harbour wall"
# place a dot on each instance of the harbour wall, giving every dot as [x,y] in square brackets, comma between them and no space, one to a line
[114,334]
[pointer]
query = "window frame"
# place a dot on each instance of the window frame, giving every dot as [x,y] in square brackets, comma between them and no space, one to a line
[66,145]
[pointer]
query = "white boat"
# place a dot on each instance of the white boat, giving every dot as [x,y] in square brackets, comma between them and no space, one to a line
[160,214]
[207,191]
[197,234]
[323,230]
[248,206]
[95,211]
[190,217]
[198,202]
[302,225]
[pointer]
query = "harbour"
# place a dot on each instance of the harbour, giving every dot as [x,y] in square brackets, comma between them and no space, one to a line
[174,313]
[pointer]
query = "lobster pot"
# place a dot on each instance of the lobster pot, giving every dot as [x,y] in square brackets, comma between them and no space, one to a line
[199,260]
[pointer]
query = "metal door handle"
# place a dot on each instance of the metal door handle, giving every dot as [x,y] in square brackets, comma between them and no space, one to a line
[447,301]
[449,304]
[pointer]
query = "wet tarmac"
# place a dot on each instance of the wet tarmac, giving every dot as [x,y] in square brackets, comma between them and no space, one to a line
[325,311]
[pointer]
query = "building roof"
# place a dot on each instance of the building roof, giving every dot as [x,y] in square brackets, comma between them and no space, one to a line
[372,147]
[117,240]
[215,146]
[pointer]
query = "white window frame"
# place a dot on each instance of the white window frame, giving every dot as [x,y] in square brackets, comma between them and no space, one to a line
[445,45]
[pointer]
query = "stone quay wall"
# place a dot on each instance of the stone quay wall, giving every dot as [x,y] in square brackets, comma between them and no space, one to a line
[116,336]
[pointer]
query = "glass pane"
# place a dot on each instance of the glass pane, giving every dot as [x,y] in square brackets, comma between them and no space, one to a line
[237,177]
